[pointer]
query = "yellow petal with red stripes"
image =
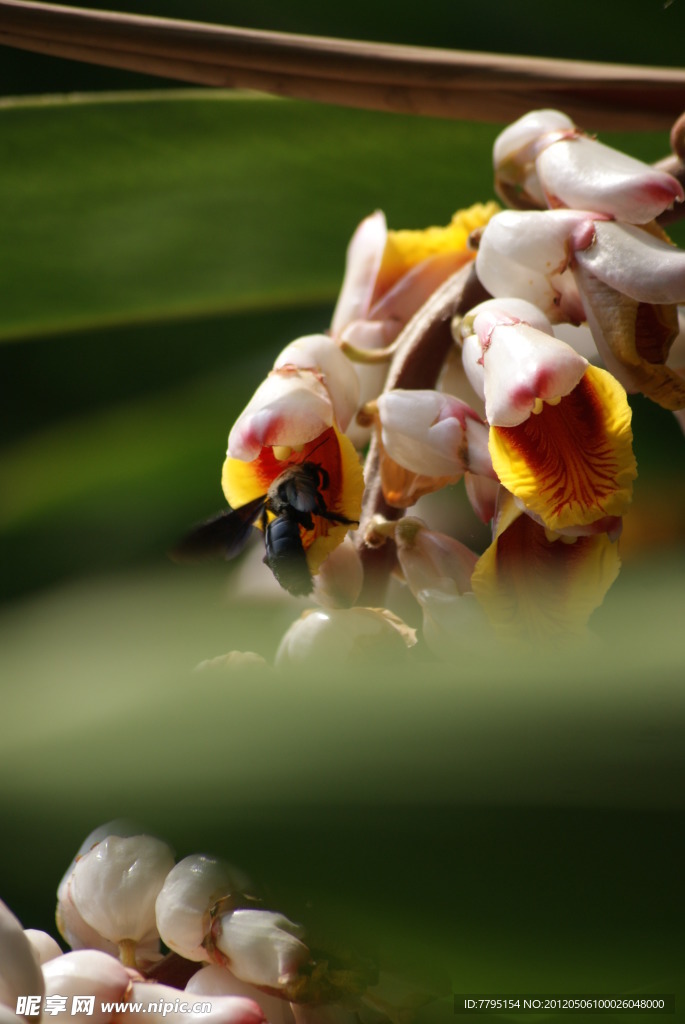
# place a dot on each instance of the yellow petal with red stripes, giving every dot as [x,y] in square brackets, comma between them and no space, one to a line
[573,462]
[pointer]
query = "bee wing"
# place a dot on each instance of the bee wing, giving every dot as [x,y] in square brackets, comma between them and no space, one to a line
[224,535]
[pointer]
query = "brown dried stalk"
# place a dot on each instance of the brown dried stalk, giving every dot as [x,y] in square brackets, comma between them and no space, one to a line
[401,79]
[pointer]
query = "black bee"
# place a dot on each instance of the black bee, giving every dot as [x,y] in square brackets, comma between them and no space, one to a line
[293,498]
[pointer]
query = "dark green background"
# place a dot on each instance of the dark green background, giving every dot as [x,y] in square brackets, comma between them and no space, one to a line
[496,824]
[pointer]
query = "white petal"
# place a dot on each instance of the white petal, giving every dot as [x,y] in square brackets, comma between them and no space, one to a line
[364,257]
[584,174]
[320,353]
[20,974]
[43,945]
[501,276]
[522,365]
[190,891]
[289,408]
[262,948]
[515,141]
[635,263]
[115,885]
[535,238]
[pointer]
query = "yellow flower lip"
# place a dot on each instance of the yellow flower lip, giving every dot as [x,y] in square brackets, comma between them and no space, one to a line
[538,586]
[573,462]
[243,482]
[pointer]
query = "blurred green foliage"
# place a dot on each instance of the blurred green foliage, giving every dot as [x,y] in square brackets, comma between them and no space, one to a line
[500,823]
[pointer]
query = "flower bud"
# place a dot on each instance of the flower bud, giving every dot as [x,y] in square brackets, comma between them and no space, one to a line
[343,636]
[114,886]
[187,899]
[261,947]
[553,163]
[433,434]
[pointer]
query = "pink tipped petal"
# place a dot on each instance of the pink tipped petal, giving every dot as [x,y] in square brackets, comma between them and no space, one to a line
[364,258]
[523,365]
[318,352]
[582,173]
[635,263]
[290,408]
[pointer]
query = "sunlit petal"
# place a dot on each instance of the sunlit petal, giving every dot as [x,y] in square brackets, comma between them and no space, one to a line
[573,462]
[582,173]
[364,256]
[321,354]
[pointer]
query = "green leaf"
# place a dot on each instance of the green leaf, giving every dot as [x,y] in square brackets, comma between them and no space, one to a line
[127,211]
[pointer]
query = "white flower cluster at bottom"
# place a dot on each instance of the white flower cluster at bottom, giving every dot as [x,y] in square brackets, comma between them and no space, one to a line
[230,961]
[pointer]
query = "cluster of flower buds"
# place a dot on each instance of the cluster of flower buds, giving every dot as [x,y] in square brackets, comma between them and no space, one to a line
[230,960]
[497,350]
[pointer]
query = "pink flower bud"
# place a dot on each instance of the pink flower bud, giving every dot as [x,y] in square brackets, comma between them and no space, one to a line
[289,408]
